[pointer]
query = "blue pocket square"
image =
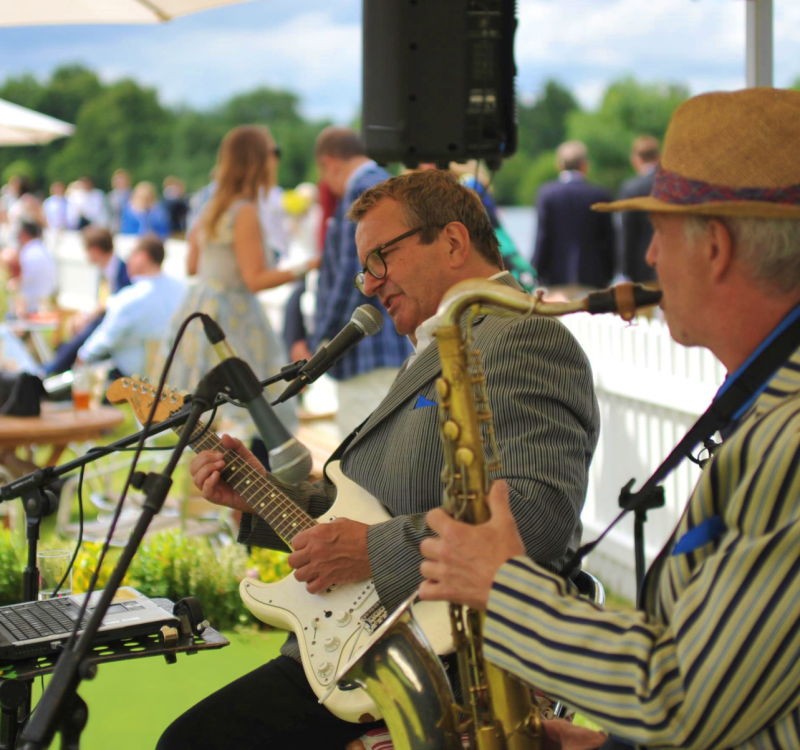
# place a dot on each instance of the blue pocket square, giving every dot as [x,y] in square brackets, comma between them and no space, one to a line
[422,402]
[711,529]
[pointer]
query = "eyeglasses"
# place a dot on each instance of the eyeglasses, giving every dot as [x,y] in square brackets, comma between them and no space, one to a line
[376,263]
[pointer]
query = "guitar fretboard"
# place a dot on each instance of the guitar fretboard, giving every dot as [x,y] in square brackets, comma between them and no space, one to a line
[266,499]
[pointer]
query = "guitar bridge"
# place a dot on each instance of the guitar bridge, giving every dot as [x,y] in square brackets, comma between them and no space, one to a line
[373,618]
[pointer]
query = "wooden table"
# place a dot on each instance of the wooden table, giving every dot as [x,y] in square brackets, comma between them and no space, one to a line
[58,427]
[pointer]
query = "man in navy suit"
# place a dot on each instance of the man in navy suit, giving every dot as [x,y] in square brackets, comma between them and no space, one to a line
[366,372]
[574,245]
[100,249]
[636,230]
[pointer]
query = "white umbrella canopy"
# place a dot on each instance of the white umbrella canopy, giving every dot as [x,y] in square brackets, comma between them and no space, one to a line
[46,12]
[24,127]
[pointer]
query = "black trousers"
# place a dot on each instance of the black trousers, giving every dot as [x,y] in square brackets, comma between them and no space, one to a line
[272,707]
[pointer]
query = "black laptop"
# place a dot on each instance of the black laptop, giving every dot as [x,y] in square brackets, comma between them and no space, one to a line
[36,629]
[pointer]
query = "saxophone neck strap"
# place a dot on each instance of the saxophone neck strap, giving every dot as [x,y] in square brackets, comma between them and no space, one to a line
[733,400]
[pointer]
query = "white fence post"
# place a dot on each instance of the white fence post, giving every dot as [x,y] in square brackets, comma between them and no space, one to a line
[650,392]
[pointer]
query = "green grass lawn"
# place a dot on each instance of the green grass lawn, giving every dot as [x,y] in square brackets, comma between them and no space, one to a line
[132,702]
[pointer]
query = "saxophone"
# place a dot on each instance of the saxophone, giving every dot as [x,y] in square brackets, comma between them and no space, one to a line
[400,670]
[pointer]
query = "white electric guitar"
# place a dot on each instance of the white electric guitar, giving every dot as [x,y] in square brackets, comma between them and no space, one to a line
[331,627]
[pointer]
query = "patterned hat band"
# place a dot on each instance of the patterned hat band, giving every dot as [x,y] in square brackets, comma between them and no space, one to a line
[670,187]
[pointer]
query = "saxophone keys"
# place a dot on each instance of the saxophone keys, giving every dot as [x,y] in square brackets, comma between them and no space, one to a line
[464,456]
[442,388]
[451,430]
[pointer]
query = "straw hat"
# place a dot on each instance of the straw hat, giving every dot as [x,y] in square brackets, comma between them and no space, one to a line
[729,154]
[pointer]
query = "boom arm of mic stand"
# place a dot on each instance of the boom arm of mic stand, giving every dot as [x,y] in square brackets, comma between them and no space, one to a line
[47,475]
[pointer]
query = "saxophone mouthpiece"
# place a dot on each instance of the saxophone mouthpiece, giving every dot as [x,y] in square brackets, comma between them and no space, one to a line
[622,299]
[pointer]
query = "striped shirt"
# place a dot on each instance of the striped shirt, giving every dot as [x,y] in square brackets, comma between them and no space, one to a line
[337,296]
[713,661]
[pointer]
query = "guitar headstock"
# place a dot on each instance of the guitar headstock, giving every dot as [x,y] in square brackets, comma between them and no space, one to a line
[140,394]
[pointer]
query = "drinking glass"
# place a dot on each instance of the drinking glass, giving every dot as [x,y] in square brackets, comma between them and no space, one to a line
[81,388]
[53,563]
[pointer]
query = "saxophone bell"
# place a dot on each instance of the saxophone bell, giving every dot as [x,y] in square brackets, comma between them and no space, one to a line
[406,679]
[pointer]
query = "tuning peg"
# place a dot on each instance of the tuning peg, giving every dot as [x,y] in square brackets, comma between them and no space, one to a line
[167,387]
[146,380]
[136,376]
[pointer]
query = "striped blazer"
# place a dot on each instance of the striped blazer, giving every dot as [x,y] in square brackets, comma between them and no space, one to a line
[713,661]
[546,418]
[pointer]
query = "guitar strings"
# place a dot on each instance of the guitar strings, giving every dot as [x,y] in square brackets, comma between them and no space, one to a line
[258,482]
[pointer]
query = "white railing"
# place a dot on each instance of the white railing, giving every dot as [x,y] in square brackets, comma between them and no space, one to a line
[650,391]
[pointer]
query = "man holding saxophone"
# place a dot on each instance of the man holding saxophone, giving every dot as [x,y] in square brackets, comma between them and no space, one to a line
[417,236]
[713,660]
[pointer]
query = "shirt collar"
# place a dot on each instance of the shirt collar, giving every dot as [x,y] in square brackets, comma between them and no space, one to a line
[137,279]
[570,175]
[357,173]
[425,330]
[110,271]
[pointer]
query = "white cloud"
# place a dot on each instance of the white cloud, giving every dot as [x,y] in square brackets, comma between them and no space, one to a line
[588,41]
[318,58]
[311,54]
[313,47]
[701,42]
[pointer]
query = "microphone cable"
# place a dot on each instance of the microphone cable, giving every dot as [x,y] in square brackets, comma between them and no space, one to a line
[137,453]
[103,451]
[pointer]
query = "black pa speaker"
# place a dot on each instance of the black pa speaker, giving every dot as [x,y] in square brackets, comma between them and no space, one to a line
[438,80]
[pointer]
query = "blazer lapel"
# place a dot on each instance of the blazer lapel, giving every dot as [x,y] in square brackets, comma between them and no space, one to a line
[409,382]
[412,379]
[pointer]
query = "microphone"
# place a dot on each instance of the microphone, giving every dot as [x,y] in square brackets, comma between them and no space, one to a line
[289,459]
[365,321]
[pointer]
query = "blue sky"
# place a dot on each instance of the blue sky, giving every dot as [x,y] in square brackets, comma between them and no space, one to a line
[313,47]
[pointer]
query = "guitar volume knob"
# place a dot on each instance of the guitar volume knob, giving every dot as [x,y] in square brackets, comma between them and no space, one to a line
[331,643]
[324,668]
[342,617]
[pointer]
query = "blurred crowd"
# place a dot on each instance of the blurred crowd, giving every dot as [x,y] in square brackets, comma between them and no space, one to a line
[244,234]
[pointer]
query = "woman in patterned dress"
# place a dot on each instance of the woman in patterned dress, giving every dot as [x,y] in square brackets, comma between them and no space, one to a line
[230,256]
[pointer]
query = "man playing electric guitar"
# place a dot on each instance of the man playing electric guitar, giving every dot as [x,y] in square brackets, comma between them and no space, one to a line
[417,236]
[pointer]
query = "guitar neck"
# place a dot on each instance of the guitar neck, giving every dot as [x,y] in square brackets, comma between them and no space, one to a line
[265,498]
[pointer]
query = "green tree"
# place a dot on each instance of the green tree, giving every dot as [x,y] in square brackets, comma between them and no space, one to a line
[19,168]
[543,169]
[628,109]
[24,90]
[506,181]
[542,127]
[197,135]
[279,110]
[68,89]
[125,126]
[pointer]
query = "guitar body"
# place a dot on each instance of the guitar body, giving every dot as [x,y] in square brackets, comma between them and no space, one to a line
[334,626]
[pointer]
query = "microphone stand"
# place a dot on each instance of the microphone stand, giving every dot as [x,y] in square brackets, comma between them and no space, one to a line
[15,695]
[60,707]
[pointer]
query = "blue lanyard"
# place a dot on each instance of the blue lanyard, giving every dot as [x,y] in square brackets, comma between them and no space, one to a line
[791,318]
